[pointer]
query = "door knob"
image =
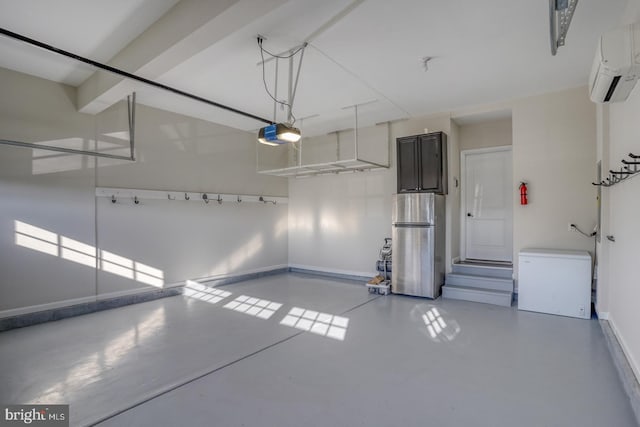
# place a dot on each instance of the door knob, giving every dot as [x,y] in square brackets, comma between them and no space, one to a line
[469,215]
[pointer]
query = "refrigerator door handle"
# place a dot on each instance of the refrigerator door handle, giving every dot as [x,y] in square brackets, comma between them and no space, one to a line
[412,224]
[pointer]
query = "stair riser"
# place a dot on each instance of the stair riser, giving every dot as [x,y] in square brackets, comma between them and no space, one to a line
[505,273]
[480,283]
[483,297]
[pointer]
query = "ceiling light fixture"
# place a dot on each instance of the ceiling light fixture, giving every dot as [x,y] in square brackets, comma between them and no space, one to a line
[281,133]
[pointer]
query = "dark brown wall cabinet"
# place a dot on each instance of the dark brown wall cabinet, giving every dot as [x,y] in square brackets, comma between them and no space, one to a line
[422,163]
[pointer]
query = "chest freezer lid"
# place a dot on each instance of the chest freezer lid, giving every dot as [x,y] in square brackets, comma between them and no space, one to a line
[555,253]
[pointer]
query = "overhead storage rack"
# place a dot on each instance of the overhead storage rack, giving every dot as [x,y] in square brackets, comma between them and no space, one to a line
[337,152]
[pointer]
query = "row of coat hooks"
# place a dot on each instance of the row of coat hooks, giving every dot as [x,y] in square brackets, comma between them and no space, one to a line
[627,170]
[136,195]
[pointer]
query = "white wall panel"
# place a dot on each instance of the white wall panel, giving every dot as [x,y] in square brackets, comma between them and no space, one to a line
[338,223]
[554,144]
[141,245]
[622,285]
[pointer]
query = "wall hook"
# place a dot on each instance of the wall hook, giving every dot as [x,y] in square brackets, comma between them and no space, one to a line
[186,196]
[205,198]
[219,199]
[611,238]
[239,199]
[262,199]
[169,197]
[627,170]
[113,198]
[135,200]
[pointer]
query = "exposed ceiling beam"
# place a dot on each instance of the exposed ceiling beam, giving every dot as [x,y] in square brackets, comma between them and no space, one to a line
[187,29]
[127,75]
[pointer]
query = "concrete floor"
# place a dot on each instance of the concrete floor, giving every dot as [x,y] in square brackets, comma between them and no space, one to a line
[241,355]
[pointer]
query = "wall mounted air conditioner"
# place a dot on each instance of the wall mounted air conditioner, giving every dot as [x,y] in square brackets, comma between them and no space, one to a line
[616,67]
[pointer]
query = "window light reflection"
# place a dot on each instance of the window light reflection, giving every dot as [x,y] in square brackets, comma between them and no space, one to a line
[324,324]
[439,327]
[256,307]
[41,240]
[204,293]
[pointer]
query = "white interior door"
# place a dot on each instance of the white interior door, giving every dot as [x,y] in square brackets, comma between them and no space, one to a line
[488,210]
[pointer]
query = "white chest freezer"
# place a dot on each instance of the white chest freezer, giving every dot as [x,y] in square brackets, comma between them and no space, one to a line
[555,282]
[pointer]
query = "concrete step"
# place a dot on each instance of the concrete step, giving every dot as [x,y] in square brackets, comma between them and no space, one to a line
[483,270]
[486,296]
[479,282]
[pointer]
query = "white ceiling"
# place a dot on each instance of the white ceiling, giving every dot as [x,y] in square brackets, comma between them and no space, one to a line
[97,29]
[484,52]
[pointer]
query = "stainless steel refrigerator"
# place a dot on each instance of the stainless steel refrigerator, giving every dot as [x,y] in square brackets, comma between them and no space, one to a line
[418,239]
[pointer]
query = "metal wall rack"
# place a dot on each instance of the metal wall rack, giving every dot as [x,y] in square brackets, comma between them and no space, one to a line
[119,195]
[131,115]
[629,168]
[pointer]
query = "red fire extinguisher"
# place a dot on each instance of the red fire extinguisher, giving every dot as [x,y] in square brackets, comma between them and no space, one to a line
[523,193]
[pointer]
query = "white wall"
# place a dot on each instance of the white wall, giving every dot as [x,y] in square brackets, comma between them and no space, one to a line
[554,144]
[55,192]
[602,249]
[618,290]
[491,133]
[618,135]
[337,223]
[189,240]
[47,190]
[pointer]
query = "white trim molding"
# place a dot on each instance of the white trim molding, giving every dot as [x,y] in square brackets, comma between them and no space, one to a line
[625,348]
[240,274]
[624,365]
[333,270]
[48,306]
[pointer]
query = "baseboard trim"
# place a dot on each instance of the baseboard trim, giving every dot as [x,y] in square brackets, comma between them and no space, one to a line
[78,309]
[624,367]
[84,300]
[33,315]
[12,312]
[602,315]
[336,274]
[215,281]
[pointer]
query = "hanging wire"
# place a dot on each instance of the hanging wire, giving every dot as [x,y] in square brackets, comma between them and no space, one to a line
[575,227]
[264,79]
[280,56]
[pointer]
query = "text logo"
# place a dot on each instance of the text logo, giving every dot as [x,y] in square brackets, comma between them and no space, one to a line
[35,415]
